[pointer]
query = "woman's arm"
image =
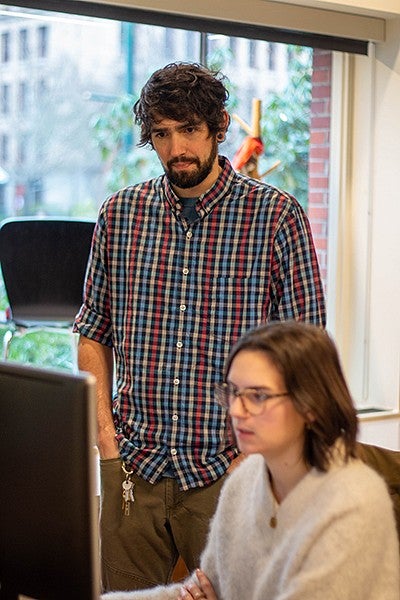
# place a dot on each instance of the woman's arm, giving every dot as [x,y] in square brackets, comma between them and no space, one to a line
[161,592]
[194,588]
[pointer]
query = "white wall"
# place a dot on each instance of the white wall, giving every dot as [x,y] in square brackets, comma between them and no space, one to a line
[370,7]
[384,320]
[286,15]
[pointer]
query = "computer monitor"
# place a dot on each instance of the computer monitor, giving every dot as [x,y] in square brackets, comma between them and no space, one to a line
[48,505]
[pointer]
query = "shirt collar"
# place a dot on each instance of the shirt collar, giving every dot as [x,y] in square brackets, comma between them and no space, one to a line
[206,202]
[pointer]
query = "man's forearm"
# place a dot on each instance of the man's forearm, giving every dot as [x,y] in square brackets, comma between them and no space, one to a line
[98,360]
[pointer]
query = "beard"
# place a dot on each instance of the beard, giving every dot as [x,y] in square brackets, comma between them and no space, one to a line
[190,179]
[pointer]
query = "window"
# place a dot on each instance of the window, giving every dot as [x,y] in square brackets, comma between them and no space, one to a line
[192,45]
[233,46]
[169,44]
[41,88]
[83,91]
[5,47]
[79,87]
[23,44]
[42,33]
[22,97]
[272,57]
[74,99]
[252,54]
[22,150]
[4,148]
[5,99]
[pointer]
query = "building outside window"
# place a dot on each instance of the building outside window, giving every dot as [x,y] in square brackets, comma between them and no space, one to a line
[271,57]
[22,97]
[42,36]
[252,54]
[170,36]
[23,44]
[5,98]
[5,47]
[22,149]
[4,148]
[233,47]
[41,88]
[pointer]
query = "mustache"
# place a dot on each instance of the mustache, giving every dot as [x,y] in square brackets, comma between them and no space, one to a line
[182,159]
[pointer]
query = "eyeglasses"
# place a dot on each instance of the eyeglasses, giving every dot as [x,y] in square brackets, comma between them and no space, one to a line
[252,399]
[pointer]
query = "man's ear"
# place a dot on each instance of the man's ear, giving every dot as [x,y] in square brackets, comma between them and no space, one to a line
[223,127]
[225,121]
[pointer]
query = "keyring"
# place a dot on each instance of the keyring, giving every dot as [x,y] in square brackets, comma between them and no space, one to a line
[125,470]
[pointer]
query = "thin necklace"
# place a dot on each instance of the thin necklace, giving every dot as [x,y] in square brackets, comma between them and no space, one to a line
[273,522]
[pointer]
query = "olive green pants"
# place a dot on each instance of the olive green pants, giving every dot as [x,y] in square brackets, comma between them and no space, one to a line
[140,550]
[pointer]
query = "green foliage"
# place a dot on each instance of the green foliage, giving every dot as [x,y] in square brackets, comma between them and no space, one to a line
[3,295]
[42,347]
[217,61]
[113,127]
[286,127]
[125,163]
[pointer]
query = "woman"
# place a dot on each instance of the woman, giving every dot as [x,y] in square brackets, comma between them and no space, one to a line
[301,518]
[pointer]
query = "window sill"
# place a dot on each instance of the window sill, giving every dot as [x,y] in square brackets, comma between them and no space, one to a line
[373,413]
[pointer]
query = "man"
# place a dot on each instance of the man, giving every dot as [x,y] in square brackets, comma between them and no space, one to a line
[181,266]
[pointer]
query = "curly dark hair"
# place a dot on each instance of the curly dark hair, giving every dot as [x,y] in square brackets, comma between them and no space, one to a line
[182,92]
[308,360]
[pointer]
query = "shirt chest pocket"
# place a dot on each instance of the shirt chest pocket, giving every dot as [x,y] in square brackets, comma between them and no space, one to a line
[234,305]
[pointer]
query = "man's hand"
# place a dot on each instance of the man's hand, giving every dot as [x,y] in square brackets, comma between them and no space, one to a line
[107,444]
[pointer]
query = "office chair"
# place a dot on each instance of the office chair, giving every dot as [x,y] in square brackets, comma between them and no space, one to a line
[387,463]
[43,261]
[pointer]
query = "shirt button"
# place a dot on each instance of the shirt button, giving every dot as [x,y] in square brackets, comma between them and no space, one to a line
[179,344]
[185,271]
[174,451]
[176,381]
[182,307]
[174,417]
[189,235]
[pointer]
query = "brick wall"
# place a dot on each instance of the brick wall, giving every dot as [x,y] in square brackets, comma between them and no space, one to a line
[318,176]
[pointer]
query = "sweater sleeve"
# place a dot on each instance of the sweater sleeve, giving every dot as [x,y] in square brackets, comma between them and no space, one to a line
[161,592]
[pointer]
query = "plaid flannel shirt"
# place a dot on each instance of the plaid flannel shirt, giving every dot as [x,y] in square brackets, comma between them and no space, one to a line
[172,297]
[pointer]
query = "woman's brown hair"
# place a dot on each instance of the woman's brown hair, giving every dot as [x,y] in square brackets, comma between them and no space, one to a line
[309,362]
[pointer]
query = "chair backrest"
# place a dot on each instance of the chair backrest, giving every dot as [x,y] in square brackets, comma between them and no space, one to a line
[43,261]
[387,463]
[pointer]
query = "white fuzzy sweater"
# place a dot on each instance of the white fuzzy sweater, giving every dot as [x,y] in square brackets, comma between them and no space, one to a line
[335,539]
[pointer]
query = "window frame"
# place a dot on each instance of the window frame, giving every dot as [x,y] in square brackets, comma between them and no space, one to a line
[269,21]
